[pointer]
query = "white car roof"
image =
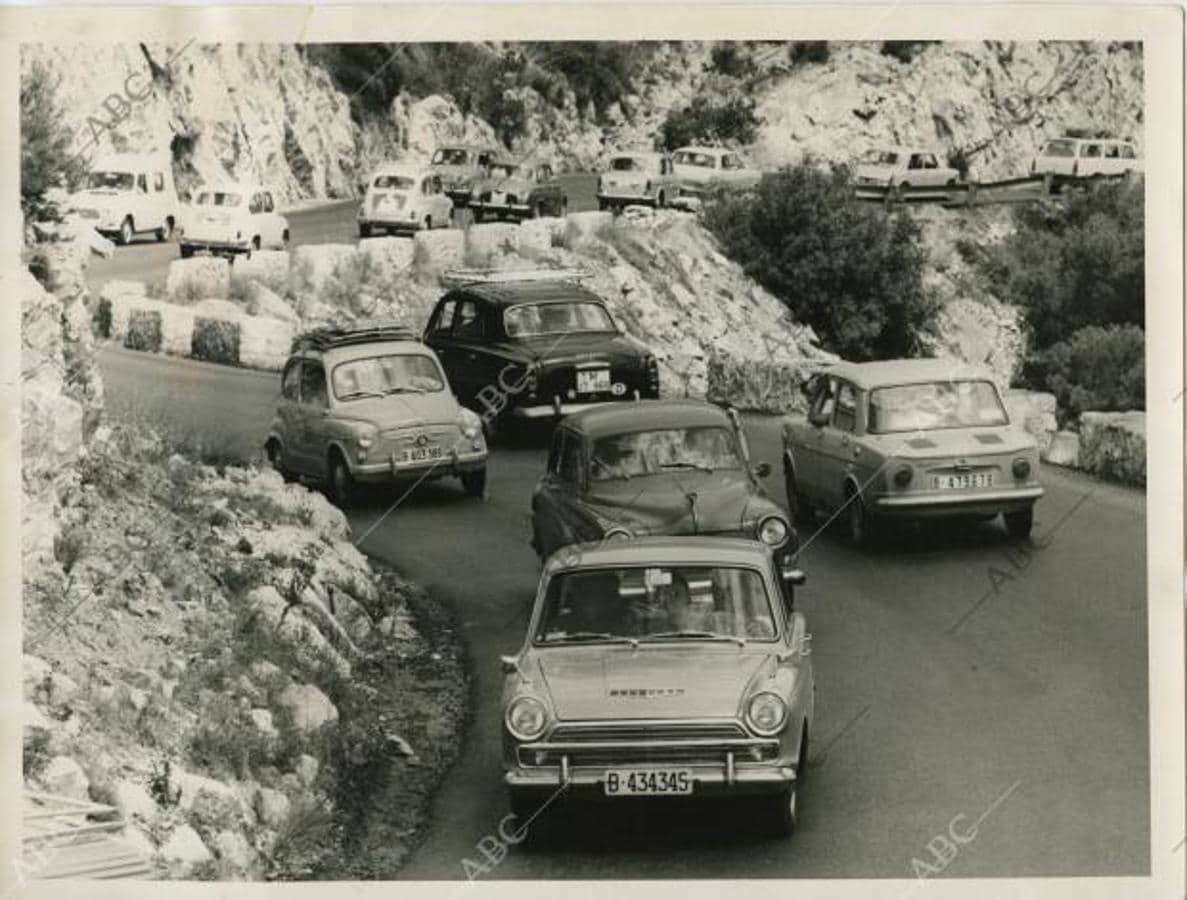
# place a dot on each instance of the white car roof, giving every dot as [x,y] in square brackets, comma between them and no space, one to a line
[232,187]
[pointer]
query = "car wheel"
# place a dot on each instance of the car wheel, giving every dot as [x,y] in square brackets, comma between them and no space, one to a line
[343,490]
[661,200]
[603,205]
[285,240]
[127,231]
[475,482]
[1019,523]
[860,524]
[797,503]
[364,230]
[276,460]
[165,232]
[186,251]
[783,813]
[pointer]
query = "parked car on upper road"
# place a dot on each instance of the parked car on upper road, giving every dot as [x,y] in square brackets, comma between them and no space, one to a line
[624,470]
[460,165]
[127,194]
[517,348]
[904,167]
[701,168]
[1086,157]
[232,218]
[517,191]
[908,439]
[404,198]
[644,178]
[661,667]
[370,405]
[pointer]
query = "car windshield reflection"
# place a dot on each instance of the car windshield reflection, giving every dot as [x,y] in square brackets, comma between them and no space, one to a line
[935,405]
[379,376]
[624,456]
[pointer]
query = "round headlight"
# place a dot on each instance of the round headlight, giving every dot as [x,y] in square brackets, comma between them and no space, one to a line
[469,423]
[618,534]
[1021,468]
[772,531]
[526,718]
[902,477]
[766,714]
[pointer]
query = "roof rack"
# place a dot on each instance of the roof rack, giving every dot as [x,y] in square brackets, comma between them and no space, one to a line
[460,277]
[325,338]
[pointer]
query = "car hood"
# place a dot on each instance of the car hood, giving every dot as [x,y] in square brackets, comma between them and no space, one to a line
[954,442]
[580,347]
[400,410]
[664,504]
[504,185]
[692,678]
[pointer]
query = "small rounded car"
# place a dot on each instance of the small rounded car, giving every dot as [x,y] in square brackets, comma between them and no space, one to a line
[637,178]
[698,169]
[232,218]
[904,168]
[369,405]
[908,439]
[402,199]
[517,191]
[460,165]
[126,194]
[661,667]
[679,467]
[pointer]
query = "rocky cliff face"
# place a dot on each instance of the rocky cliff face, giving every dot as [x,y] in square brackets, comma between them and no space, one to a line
[265,111]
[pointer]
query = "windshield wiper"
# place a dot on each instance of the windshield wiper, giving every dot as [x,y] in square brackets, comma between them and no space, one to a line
[403,390]
[593,636]
[697,635]
[354,395]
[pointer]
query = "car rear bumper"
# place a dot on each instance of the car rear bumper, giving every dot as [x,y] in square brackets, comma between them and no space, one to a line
[214,245]
[971,504]
[404,226]
[387,469]
[521,210]
[556,409]
[626,198]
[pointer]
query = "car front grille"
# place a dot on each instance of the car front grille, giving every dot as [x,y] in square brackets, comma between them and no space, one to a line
[628,744]
[632,731]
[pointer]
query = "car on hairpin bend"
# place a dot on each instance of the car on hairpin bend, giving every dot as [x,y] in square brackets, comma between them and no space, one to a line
[661,668]
[908,439]
[369,405]
[620,471]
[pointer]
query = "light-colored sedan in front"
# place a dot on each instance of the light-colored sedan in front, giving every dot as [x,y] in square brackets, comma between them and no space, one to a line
[913,438]
[661,667]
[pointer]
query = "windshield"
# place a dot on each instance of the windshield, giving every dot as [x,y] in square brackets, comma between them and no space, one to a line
[881,158]
[557,318]
[1060,148]
[656,603]
[704,448]
[689,158]
[118,181]
[218,198]
[935,405]
[628,164]
[396,182]
[378,376]
[451,156]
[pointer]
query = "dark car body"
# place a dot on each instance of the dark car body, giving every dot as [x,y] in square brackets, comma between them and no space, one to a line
[575,502]
[627,710]
[517,191]
[504,376]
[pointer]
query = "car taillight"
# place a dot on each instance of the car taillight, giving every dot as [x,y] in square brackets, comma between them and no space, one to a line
[651,369]
[1021,468]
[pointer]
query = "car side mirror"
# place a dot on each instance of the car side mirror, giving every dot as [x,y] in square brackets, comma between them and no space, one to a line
[762,469]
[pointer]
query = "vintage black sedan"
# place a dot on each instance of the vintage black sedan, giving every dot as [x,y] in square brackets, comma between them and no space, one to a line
[674,467]
[520,348]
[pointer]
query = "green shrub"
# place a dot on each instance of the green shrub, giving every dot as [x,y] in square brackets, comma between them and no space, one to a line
[804,52]
[1097,368]
[102,320]
[215,340]
[35,752]
[904,51]
[46,158]
[705,121]
[1074,262]
[852,271]
[729,58]
[144,331]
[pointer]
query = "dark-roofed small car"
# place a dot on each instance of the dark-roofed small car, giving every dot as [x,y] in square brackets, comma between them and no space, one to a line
[654,467]
[908,439]
[660,668]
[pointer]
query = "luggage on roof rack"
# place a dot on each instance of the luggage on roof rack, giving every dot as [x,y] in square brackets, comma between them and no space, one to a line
[325,338]
[459,277]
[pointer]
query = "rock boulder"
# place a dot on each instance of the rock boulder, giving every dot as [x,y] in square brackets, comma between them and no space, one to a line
[1113,445]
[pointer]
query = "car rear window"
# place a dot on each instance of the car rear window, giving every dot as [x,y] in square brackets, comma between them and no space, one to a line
[381,376]
[219,198]
[532,319]
[935,405]
[119,181]
[881,158]
[689,158]
[395,182]
[668,450]
[451,156]
[1060,148]
[656,603]
[629,164]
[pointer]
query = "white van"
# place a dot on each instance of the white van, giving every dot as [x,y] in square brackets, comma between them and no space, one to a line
[127,194]
[1085,157]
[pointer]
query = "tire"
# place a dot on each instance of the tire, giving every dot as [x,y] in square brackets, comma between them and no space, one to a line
[1020,523]
[284,240]
[343,490]
[564,209]
[276,460]
[255,243]
[186,251]
[475,482]
[797,503]
[165,232]
[859,524]
[428,223]
[781,815]
[603,205]
[126,233]
[364,230]
[661,200]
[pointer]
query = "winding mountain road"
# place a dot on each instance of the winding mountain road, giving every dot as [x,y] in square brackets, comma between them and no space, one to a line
[960,676]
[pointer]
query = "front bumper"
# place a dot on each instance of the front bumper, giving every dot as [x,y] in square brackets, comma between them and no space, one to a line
[707,780]
[935,505]
[405,225]
[387,469]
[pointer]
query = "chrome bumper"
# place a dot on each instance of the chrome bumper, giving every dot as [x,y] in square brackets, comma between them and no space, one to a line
[956,504]
[386,469]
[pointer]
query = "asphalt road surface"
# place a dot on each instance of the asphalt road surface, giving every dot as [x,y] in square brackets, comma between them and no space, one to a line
[333,222]
[960,677]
